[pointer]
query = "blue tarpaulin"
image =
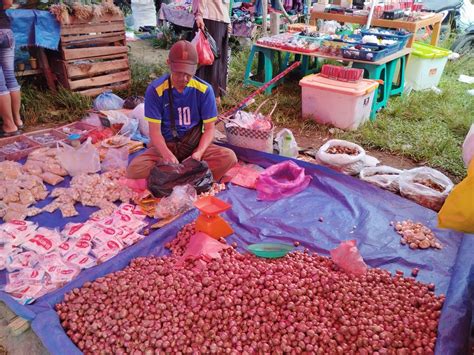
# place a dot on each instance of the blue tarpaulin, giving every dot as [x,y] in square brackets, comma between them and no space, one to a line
[35,28]
[351,209]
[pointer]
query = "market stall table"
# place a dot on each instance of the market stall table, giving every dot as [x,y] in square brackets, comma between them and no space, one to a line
[352,209]
[383,70]
[411,26]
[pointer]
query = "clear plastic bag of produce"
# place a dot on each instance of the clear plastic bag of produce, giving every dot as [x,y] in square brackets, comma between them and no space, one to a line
[138,114]
[115,158]
[108,101]
[181,200]
[426,186]
[343,156]
[281,180]
[82,160]
[347,257]
[203,48]
[382,176]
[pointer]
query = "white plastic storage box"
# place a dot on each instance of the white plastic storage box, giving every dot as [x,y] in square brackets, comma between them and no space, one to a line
[425,66]
[345,105]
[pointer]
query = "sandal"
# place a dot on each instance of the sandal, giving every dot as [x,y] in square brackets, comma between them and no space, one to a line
[9,134]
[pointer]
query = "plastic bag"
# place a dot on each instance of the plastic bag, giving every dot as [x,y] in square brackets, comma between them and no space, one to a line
[458,210]
[281,180]
[82,160]
[129,129]
[427,187]
[92,119]
[164,177]
[181,200]
[203,247]
[212,44]
[108,101]
[244,175]
[115,158]
[203,48]
[382,176]
[351,162]
[468,147]
[287,145]
[138,113]
[348,258]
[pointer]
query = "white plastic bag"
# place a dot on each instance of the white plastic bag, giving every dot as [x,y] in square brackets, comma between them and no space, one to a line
[143,13]
[115,158]
[345,163]
[382,176]
[413,186]
[181,199]
[82,160]
[468,146]
[138,114]
[287,145]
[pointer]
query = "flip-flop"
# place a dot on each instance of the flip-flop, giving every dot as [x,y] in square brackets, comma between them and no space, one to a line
[9,134]
[20,127]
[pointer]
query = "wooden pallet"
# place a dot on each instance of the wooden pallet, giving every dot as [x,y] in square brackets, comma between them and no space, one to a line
[93,56]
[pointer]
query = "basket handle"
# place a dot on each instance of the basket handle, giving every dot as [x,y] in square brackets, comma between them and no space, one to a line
[263,103]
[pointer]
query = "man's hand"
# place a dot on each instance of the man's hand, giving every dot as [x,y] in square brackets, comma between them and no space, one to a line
[200,23]
[169,157]
[197,155]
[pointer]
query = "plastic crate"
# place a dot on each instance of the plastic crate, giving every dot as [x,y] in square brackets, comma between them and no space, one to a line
[47,137]
[76,127]
[401,36]
[17,147]
[370,53]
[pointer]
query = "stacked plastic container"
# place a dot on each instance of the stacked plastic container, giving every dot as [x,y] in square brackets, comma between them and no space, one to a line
[425,66]
[338,97]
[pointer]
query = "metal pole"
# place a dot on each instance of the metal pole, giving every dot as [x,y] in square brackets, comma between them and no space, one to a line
[264,18]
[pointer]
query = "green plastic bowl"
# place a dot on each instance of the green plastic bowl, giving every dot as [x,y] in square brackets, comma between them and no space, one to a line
[270,250]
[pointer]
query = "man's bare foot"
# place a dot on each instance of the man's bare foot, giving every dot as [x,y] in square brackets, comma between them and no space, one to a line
[19,123]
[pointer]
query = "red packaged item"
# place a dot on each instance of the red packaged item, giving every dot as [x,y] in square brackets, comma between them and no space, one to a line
[76,230]
[127,208]
[16,232]
[132,238]
[80,260]
[63,274]
[112,245]
[27,275]
[21,261]
[98,135]
[26,294]
[43,241]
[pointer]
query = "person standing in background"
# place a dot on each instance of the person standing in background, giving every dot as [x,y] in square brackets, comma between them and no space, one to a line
[214,16]
[10,95]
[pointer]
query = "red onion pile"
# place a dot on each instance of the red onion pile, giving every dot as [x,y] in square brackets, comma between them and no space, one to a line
[301,303]
[178,245]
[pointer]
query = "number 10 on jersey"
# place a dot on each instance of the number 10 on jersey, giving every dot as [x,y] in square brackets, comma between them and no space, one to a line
[184,114]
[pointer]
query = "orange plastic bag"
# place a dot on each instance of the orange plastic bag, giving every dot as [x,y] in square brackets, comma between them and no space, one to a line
[458,210]
[203,48]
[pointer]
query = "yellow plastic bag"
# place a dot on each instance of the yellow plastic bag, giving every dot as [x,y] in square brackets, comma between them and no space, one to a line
[458,210]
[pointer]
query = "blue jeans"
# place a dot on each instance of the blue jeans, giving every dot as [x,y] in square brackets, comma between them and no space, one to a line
[8,81]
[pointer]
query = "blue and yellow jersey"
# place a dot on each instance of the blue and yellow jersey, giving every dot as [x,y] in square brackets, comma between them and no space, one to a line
[194,105]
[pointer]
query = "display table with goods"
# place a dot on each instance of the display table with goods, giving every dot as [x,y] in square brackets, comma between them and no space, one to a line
[430,19]
[207,296]
[379,60]
[179,13]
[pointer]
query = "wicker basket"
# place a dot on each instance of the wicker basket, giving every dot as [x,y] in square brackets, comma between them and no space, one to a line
[250,138]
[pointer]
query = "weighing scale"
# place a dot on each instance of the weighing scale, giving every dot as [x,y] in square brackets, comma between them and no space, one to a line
[209,221]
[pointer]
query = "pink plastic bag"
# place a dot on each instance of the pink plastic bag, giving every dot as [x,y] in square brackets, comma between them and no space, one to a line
[203,48]
[348,258]
[244,175]
[201,246]
[281,180]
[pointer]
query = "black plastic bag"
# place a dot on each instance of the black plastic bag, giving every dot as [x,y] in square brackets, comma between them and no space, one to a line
[133,101]
[212,44]
[164,177]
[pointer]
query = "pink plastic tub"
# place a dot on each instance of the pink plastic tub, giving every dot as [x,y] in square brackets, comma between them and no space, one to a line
[342,104]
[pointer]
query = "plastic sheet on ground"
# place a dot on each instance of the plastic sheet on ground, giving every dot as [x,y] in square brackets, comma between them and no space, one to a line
[351,209]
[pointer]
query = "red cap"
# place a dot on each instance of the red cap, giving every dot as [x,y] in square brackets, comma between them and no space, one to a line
[183,58]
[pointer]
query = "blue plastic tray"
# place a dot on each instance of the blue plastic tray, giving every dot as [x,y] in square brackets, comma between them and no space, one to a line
[401,36]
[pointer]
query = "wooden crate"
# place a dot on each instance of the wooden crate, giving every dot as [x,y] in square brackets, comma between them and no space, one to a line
[93,56]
